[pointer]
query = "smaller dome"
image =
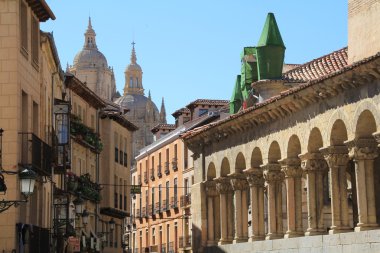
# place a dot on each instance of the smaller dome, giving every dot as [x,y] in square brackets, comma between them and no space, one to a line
[90,58]
[133,67]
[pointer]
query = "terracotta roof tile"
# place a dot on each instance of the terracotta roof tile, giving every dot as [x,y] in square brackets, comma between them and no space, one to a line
[163,126]
[180,111]
[318,68]
[208,102]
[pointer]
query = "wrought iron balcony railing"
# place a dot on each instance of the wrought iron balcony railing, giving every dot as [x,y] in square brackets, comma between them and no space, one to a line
[174,202]
[159,172]
[185,242]
[167,170]
[175,164]
[36,154]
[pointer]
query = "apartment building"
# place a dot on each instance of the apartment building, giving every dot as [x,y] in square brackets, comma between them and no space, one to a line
[26,78]
[161,213]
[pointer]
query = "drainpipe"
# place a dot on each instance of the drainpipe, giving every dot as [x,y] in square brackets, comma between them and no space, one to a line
[97,173]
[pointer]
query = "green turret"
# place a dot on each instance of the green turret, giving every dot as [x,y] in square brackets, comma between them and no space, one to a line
[270,51]
[236,98]
[248,70]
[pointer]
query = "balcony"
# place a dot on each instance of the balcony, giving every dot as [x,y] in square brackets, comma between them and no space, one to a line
[36,154]
[185,200]
[152,174]
[163,248]
[146,177]
[167,170]
[86,136]
[158,207]
[174,202]
[184,242]
[138,214]
[175,164]
[165,205]
[159,173]
[143,212]
[171,247]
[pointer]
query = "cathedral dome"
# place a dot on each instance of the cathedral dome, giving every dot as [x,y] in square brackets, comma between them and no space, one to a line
[90,58]
[137,105]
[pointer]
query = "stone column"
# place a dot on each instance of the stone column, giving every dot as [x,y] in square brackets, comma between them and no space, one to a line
[223,186]
[256,183]
[314,165]
[364,151]
[337,160]
[240,185]
[273,177]
[293,174]
[211,194]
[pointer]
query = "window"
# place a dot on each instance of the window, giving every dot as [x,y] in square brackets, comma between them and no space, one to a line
[153,197]
[202,112]
[34,38]
[186,183]
[24,28]
[153,236]
[146,200]
[116,148]
[175,189]
[167,191]
[137,82]
[185,156]
[175,151]
[159,196]
[131,82]
[121,151]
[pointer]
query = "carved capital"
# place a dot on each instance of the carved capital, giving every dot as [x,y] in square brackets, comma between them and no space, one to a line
[211,188]
[223,185]
[362,149]
[239,184]
[273,173]
[291,167]
[336,156]
[313,162]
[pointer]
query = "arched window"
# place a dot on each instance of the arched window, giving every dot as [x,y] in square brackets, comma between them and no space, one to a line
[131,82]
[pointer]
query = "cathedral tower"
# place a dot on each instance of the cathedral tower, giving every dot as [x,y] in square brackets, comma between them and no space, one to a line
[142,110]
[90,66]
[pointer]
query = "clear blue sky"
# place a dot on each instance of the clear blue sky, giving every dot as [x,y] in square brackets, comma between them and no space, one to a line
[191,49]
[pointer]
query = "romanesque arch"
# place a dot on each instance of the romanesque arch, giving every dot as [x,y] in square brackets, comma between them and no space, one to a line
[338,133]
[274,153]
[211,171]
[225,167]
[365,125]
[240,163]
[256,158]
[315,141]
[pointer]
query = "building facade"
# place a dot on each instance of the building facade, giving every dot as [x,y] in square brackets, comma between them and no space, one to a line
[27,78]
[303,159]
[161,214]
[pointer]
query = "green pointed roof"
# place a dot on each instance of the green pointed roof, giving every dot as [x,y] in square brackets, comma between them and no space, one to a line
[237,97]
[270,34]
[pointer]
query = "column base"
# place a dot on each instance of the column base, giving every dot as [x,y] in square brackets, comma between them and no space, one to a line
[365,227]
[338,230]
[256,238]
[212,243]
[238,240]
[291,234]
[224,241]
[274,236]
[311,232]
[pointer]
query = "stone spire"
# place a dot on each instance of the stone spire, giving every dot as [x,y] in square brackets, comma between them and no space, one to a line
[133,54]
[89,41]
[163,112]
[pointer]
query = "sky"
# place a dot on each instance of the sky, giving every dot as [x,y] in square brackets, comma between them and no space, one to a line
[191,49]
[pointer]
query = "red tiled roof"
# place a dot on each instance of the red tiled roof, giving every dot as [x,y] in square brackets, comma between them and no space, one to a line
[163,126]
[208,102]
[318,68]
[180,111]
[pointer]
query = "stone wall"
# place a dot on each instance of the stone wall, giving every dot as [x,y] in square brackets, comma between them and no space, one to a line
[363,242]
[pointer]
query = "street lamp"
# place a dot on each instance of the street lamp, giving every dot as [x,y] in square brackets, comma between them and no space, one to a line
[85,215]
[27,181]
[79,205]
[112,224]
